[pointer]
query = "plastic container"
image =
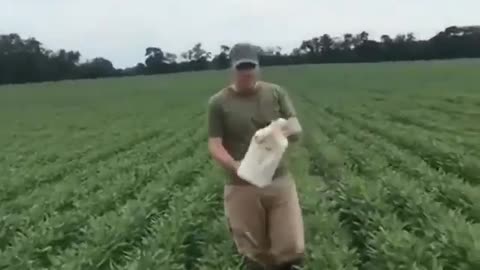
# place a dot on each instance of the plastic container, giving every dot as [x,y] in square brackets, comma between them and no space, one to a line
[264,154]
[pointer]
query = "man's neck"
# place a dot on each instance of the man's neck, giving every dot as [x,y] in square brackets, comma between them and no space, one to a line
[236,89]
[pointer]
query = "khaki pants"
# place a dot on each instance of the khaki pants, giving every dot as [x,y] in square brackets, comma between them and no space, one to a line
[266,223]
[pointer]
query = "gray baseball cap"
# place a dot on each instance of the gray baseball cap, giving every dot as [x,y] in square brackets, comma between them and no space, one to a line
[242,53]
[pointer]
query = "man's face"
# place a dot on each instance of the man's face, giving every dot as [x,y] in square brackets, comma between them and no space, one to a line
[245,77]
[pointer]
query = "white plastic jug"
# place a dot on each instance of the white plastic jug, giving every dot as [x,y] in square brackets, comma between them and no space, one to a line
[264,154]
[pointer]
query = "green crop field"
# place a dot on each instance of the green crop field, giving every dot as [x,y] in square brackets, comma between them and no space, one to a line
[115,174]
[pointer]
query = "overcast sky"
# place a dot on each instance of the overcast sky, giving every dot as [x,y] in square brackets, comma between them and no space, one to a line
[120,30]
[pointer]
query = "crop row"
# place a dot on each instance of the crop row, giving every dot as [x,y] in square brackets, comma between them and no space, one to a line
[400,121]
[23,180]
[371,154]
[395,225]
[441,126]
[48,144]
[363,146]
[439,156]
[90,198]
[431,105]
[88,176]
[328,243]
[177,238]
[77,227]
[121,232]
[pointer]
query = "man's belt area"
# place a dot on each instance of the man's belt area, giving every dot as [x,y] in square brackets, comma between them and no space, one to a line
[235,180]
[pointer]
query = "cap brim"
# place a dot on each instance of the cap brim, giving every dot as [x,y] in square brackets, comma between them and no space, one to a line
[245,61]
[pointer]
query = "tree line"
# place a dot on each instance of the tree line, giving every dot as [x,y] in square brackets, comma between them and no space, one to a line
[27,60]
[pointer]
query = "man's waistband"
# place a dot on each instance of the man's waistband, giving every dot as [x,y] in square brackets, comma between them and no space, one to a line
[280,175]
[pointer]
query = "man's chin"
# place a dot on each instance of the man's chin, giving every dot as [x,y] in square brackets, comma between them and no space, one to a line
[247,89]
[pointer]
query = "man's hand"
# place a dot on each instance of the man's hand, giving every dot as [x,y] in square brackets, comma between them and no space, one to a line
[292,130]
[234,166]
[220,154]
[286,131]
[234,171]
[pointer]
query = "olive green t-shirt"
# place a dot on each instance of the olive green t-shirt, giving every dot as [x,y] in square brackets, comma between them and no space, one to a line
[235,117]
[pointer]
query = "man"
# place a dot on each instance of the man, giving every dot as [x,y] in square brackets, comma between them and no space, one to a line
[265,223]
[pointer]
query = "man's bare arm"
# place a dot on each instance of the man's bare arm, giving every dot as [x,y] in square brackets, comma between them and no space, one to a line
[220,154]
[215,135]
[293,130]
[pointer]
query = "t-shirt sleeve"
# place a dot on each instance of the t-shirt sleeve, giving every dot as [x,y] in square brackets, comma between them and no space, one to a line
[215,119]
[287,109]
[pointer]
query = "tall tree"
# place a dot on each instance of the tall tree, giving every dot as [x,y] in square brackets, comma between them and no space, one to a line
[170,58]
[199,54]
[156,60]
[97,68]
[326,43]
[198,57]
[348,42]
[222,61]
